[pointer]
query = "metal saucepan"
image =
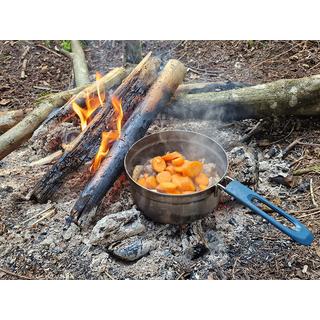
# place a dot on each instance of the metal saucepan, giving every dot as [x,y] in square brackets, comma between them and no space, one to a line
[180,209]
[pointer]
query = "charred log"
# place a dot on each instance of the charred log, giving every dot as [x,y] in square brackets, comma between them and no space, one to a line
[131,92]
[135,128]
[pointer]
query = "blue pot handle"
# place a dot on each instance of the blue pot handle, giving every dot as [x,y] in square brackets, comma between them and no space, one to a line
[299,233]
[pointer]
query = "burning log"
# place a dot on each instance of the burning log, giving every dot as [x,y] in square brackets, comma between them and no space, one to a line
[23,130]
[130,92]
[134,129]
[300,97]
[107,82]
[9,119]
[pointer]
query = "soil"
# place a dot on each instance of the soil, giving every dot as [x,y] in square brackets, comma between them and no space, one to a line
[231,243]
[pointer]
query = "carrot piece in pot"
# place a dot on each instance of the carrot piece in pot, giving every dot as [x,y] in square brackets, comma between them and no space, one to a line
[183,183]
[170,169]
[164,176]
[167,187]
[178,161]
[192,169]
[151,182]
[142,182]
[202,179]
[158,164]
[171,155]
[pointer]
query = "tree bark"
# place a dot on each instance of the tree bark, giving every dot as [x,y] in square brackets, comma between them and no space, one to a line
[299,97]
[134,129]
[202,87]
[9,119]
[132,52]
[131,92]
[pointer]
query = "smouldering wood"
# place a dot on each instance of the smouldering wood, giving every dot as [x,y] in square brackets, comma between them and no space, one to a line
[131,92]
[156,99]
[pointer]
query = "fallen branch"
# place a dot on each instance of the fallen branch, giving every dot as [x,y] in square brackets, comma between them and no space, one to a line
[300,97]
[23,130]
[80,68]
[9,119]
[131,92]
[135,128]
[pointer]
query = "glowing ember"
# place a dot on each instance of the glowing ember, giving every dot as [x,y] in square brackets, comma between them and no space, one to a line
[110,136]
[92,103]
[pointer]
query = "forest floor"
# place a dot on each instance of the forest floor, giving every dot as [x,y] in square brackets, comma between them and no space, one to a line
[230,243]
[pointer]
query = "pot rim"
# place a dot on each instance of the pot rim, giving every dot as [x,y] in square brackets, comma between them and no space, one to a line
[172,196]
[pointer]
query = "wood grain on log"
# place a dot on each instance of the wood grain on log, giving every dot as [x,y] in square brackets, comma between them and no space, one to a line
[299,97]
[131,92]
[157,97]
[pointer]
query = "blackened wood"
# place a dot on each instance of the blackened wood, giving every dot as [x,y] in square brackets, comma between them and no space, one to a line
[134,129]
[131,92]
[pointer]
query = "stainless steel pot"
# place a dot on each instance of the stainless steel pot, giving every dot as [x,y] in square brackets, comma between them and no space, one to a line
[180,209]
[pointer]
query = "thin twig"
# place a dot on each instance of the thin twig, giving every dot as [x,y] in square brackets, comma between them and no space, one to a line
[290,147]
[252,131]
[37,215]
[46,89]
[312,194]
[47,215]
[309,214]
[276,56]
[46,48]
[16,275]
[23,69]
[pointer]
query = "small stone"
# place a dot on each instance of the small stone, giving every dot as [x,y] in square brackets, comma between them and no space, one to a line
[133,250]
[116,227]
[305,269]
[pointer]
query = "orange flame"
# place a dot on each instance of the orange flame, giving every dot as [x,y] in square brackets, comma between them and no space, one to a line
[91,104]
[110,136]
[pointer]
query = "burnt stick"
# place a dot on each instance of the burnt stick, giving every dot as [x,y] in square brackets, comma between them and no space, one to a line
[131,92]
[135,128]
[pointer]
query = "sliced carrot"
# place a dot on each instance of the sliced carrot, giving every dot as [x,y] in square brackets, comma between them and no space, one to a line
[158,164]
[192,169]
[171,155]
[142,182]
[183,183]
[170,169]
[151,182]
[167,187]
[202,187]
[178,161]
[164,176]
[202,179]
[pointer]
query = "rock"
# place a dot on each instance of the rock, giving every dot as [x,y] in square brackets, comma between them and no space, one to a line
[132,250]
[117,226]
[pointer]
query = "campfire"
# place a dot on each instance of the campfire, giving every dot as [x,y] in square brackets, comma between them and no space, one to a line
[99,131]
